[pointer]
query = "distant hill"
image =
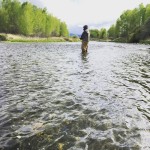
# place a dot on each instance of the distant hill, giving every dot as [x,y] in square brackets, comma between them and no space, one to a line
[75,30]
[72,34]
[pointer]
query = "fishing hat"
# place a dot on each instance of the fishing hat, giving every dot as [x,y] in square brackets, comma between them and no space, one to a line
[85,27]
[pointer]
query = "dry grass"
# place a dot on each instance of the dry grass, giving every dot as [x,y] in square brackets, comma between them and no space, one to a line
[21,38]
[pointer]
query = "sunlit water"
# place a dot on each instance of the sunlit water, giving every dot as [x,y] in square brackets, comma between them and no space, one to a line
[52,97]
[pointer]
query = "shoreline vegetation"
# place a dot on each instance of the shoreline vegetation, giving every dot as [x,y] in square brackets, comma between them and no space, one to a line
[30,22]
[25,22]
[133,26]
[146,41]
[21,38]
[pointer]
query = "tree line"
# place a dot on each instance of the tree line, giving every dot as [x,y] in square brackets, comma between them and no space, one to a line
[131,26]
[29,20]
[98,34]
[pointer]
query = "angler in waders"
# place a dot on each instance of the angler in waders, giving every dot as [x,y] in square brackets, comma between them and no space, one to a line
[85,37]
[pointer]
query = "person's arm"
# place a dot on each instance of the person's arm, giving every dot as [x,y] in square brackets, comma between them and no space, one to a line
[88,36]
[83,36]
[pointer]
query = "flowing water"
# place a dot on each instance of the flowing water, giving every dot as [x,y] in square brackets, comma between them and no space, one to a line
[52,97]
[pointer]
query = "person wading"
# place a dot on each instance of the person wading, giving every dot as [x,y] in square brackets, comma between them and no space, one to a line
[85,37]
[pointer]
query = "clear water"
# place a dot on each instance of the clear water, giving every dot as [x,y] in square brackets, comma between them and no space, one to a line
[52,97]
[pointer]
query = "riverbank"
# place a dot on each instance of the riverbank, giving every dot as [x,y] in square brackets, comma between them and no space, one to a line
[100,40]
[21,38]
[119,40]
[145,41]
[123,40]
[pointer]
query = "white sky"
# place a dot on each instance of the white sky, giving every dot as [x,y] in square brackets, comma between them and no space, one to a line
[79,12]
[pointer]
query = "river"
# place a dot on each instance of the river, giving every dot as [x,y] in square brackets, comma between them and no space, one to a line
[53,97]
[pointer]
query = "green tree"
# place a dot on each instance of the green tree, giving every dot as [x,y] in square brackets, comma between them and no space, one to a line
[26,19]
[147,12]
[39,21]
[103,33]
[14,16]
[141,14]
[118,28]
[3,20]
[111,32]
[63,30]
[48,26]
[4,16]
[94,33]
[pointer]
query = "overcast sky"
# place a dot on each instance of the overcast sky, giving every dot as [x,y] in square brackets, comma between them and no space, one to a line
[89,11]
[96,13]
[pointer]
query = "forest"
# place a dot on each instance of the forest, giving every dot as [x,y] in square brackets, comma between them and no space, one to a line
[132,26]
[29,20]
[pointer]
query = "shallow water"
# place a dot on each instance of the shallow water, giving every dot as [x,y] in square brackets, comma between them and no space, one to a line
[52,97]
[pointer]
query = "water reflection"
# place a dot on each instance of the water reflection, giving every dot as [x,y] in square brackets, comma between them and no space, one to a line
[84,56]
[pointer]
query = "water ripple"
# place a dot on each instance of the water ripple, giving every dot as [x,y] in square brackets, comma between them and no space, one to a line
[54,97]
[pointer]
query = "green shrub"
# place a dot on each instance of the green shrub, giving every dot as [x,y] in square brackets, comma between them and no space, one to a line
[75,36]
[3,38]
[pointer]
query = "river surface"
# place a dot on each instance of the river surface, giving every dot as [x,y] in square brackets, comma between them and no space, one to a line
[53,97]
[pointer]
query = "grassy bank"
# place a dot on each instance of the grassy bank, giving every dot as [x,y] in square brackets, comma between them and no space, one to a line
[145,41]
[21,38]
[119,40]
[100,40]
